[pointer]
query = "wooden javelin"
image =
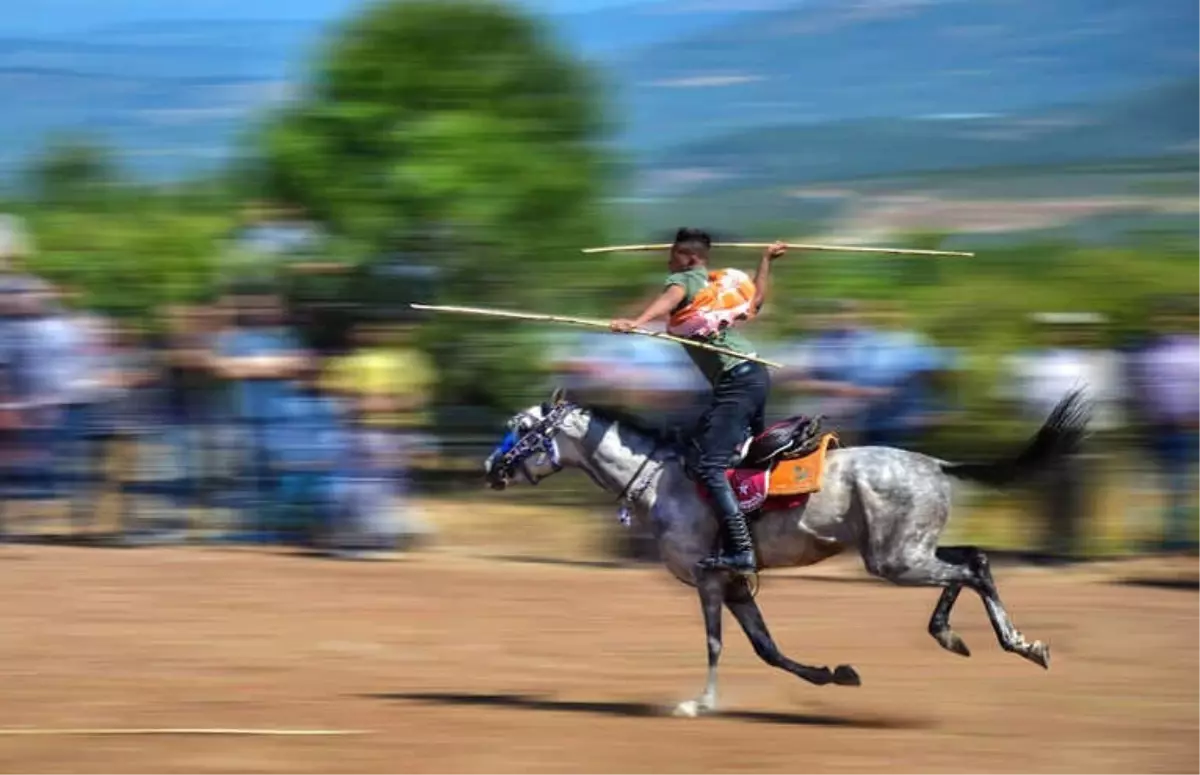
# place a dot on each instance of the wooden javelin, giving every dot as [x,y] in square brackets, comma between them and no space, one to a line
[791,246]
[591,323]
[178,731]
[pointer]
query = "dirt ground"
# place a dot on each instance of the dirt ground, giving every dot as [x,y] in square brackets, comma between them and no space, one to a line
[453,664]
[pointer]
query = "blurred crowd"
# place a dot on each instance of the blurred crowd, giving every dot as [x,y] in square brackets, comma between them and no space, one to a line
[878,380]
[213,407]
[224,408]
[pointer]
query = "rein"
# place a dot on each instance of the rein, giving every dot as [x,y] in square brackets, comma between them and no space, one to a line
[628,496]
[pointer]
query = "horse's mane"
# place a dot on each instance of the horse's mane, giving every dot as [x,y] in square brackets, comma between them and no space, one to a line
[659,432]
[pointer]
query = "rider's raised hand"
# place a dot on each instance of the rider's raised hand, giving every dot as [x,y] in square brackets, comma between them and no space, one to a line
[775,250]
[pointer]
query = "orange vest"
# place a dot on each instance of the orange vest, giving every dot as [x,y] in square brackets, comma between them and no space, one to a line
[726,300]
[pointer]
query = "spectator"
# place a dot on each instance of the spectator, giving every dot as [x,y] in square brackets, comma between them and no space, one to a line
[268,235]
[389,382]
[79,456]
[1070,356]
[367,492]
[189,396]
[660,380]
[308,446]
[1167,396]
[824,374]
[16,355]
[905,366]
[45,342]
[13,360]
[132,381]
[259,357]
[652,379]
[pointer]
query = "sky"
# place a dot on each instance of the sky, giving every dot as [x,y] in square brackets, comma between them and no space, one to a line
[62,17]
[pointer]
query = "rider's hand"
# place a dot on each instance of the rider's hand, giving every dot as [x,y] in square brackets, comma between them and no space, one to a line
[775,250]
[622,326]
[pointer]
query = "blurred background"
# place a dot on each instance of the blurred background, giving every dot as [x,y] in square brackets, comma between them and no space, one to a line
[218,212]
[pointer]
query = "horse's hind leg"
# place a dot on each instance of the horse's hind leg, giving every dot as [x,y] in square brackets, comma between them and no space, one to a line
[956,567]
[745,610]
[712,593]
[939,623]
[1007,634]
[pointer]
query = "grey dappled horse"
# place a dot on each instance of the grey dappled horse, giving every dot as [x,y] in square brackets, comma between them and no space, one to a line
[889,504]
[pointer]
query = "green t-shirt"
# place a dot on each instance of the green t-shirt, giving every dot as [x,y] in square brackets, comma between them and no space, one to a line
[712,364]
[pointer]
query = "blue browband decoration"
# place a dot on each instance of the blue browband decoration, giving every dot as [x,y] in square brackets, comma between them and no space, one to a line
[515,450]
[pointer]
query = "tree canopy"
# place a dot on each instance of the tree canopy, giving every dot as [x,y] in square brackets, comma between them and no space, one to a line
[457,115]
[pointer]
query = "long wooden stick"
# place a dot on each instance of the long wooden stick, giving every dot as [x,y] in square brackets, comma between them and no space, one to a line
[42,731]
[791,246]
[590,323]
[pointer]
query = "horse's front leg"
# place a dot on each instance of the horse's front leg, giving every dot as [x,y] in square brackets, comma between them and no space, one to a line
[742,604]
[711,587]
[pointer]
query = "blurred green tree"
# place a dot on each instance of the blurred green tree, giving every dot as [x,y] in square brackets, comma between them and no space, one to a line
[465,116]
[71,170]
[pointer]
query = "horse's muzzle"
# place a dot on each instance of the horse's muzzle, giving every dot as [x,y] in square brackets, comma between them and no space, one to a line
[495,477]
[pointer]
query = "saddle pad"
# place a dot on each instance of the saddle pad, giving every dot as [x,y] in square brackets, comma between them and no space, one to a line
[749,487]
[801,476]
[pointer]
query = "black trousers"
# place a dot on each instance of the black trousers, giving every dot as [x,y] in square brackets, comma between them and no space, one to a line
[738,405]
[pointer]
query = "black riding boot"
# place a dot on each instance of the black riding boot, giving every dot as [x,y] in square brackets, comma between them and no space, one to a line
[737,548]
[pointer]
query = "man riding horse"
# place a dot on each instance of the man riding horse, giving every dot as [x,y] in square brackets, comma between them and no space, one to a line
[889,504]
[705,307]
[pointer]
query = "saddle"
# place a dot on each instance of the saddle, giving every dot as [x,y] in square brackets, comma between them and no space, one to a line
[790,439]
[780,467]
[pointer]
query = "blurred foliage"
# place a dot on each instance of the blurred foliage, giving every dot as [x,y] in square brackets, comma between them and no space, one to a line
[463,118]
[72,171]
[457,131]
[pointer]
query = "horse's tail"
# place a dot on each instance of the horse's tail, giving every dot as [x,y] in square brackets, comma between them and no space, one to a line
[1061,435]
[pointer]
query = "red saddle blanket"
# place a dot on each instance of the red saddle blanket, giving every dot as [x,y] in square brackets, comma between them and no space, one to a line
[786,485]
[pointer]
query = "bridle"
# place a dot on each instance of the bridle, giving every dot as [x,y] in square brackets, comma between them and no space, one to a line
[517,448]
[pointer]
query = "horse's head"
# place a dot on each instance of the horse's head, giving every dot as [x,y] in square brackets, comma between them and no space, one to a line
[530,445]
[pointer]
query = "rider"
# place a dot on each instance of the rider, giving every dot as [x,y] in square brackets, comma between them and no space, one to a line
[739,386]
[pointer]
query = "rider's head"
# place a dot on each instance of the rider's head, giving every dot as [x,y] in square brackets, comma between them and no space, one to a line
[689,250]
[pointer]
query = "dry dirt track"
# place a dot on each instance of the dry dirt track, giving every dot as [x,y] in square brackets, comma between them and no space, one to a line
[472,666]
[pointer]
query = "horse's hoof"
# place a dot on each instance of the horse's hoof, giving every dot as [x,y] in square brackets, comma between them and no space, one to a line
[1038,653]
[844,675]
[949,640]
[690,709]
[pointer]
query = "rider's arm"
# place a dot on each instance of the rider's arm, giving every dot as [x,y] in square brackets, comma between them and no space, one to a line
[762,278]
[666,301]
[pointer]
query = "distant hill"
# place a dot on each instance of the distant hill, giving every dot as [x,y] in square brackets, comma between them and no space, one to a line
[831,60]
[171,83]
[171,95]
[1107,198]
[1157,122]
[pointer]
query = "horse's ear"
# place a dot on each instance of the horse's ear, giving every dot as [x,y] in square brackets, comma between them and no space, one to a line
[558,396]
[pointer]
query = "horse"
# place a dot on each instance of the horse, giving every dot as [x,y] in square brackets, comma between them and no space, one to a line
[889,504]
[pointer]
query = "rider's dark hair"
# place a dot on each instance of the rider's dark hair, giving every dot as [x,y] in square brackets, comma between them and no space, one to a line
[695,240]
